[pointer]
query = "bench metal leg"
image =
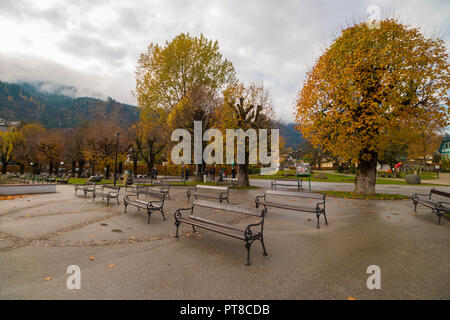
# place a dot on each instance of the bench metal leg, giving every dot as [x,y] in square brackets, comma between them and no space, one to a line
[149,215]
[440,216]
[126,205]
[177,224]
[325,216]
[248,245]
[318,215]
[193,229]
[264,247]
[415,206]
[118,203]
[162,212]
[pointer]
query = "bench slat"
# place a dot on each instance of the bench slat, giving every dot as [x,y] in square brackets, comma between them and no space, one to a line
[212,187]
[310,195]
[227,207]
[288,207]
[204,225]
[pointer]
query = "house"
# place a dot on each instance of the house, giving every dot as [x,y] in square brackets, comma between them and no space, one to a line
[444,150]
[5,125]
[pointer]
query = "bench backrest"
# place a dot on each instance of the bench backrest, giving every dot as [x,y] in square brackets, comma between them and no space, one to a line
[173,179]
[152,193]
[215,188]
[142,180]
[228,207]
[281,179]
[308,195]
[114,189]
[440,193]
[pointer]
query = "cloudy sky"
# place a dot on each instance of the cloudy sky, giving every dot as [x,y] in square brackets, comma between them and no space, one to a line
[94,45]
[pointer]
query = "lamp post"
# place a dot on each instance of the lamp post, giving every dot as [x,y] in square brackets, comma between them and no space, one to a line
[115,162]
[165,163]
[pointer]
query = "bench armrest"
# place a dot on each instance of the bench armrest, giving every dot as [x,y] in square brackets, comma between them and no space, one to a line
[257,200]
[248,230]
[177,213]
[440,205]
[127,197]
[416,195]
[150,203]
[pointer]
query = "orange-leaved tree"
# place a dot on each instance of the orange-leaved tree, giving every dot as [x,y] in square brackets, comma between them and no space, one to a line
[369,82]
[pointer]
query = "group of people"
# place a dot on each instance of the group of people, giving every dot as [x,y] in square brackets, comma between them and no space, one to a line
[211,173]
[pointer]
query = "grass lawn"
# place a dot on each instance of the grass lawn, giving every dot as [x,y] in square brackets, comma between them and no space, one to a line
[352,195]
[331,177]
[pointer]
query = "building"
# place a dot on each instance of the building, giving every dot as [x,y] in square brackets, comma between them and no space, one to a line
[444,150]
[5,125]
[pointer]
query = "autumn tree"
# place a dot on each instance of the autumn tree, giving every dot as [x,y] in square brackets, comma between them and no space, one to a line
[368,82]
[75,141]
[101,143]
[181,80]
[9,143]
[28,151]
[150,135]
[246,107]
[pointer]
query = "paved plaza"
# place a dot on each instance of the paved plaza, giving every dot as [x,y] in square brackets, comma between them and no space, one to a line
[122,257]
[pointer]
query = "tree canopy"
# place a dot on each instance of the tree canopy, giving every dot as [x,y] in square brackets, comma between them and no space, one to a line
[368,83]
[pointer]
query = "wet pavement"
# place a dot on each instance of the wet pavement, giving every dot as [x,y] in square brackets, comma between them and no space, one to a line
[122,257]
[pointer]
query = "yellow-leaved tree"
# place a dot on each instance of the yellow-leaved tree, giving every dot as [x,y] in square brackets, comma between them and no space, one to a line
[371,82]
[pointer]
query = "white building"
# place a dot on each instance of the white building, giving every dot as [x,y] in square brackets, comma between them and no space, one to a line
[5,125]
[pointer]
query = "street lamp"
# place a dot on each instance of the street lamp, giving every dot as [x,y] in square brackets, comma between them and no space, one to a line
[165,163]
[115,162]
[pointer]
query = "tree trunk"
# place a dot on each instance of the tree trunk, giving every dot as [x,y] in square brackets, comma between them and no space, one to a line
[92,168]
[80,167]
[50,167]
[243,180]
[22,168]
[107,172]
[366,175]
[135,163]
[4,166]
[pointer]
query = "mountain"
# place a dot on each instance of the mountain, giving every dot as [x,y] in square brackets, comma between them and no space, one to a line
[293,138]
[57,106]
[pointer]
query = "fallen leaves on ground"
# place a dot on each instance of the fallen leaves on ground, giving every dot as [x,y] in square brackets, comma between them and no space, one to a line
[351,298]
[48,278]
[91,258]
[111,265]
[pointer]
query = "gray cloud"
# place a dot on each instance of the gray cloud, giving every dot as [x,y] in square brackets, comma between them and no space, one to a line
[274,42]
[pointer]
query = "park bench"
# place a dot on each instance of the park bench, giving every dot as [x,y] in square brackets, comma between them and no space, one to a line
[109,192]
[438,201]
[172,180]
[137,182]
[149,205]
[233,181]
[88,186]
[285,182]
[211,192]
[166,182]
[162,188]
[316,203]
[248,233]
[63,180]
